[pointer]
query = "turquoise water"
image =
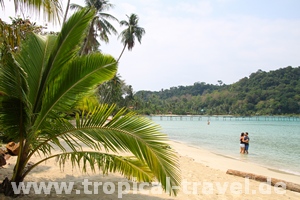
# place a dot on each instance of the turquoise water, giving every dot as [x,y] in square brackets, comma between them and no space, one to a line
[274,142]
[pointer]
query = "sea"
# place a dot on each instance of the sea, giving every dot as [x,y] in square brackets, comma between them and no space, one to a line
[274,141]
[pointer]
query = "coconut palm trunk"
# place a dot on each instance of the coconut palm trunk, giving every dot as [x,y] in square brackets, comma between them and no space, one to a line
[66,12]
[18,175]
[122,52]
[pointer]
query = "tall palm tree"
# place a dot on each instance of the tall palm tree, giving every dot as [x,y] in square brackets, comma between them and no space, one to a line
[46,78]
[131,32]
[100,27]
[51,9]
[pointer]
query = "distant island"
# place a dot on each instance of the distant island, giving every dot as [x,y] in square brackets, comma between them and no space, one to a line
[262,93]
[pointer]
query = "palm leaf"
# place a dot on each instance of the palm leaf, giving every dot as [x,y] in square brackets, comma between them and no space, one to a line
[74,6]
[128,166]
[59,79]
[64,50]
[124,133]
[13,104]
[81,75]
[51,9]
[37,47]
[142,138]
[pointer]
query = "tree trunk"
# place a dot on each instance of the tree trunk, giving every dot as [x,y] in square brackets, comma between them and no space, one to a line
[7,189]
[273,181]
[18,173]
[122,52]
[84,51]
[6,186]
[66,12]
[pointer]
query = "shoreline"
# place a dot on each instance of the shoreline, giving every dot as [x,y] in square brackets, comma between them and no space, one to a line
[199,168]
[207,157]
[233,116]
[217,153]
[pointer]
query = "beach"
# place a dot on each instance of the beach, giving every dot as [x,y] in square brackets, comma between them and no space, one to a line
[203,177]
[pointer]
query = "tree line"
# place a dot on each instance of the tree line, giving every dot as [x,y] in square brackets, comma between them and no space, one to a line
[262,93]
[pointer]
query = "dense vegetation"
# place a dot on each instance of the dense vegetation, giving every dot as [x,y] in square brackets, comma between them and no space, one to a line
[262,93]
[48,78]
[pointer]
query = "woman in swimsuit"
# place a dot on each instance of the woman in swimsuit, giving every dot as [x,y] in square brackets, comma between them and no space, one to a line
[242,144]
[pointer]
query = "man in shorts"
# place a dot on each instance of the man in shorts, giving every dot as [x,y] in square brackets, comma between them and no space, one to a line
[246,140]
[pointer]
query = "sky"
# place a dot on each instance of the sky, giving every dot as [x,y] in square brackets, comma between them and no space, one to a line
[190,41]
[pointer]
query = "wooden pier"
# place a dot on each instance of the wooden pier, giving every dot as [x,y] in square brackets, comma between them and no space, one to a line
[224,118]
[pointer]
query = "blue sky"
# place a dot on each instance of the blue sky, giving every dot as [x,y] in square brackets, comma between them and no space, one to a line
[190,41]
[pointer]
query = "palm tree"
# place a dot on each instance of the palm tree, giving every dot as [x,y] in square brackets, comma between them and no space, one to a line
[47,78]
[128,38]
[131,32]
[100,26]
[12,34]
[51,9]
[110,92]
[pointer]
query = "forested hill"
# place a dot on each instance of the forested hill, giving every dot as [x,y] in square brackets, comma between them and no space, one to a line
[262,93]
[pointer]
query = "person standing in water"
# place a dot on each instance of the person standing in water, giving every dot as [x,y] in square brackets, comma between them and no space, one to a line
[242,143]
[246,141]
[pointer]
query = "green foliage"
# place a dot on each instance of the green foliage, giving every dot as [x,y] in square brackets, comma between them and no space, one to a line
[100,27]
[51,10]
[12,34]
[115,91]
[262,93]
[132,32]
[48,78]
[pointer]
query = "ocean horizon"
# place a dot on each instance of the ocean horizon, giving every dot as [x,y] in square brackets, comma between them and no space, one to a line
[274,140]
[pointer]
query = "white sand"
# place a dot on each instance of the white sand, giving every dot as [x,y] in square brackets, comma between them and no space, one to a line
[198,167]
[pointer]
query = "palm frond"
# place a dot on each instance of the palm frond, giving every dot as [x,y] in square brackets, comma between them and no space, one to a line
[34,51]
[68,42]
[106,16]
[104,25]
[124,23]
[128,166]
[14,104]
[60,131]
[74,6]
[48,79]
[64,50]
[80,76]
[133,30]
[126,132]
[141,137]
[51,9]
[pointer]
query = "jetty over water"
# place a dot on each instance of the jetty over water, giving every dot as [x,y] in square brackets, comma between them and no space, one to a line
[224,118]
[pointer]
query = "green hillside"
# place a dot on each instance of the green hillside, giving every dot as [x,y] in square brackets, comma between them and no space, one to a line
[262,93]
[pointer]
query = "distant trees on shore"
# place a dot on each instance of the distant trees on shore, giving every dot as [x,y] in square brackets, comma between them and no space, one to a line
[262,93]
